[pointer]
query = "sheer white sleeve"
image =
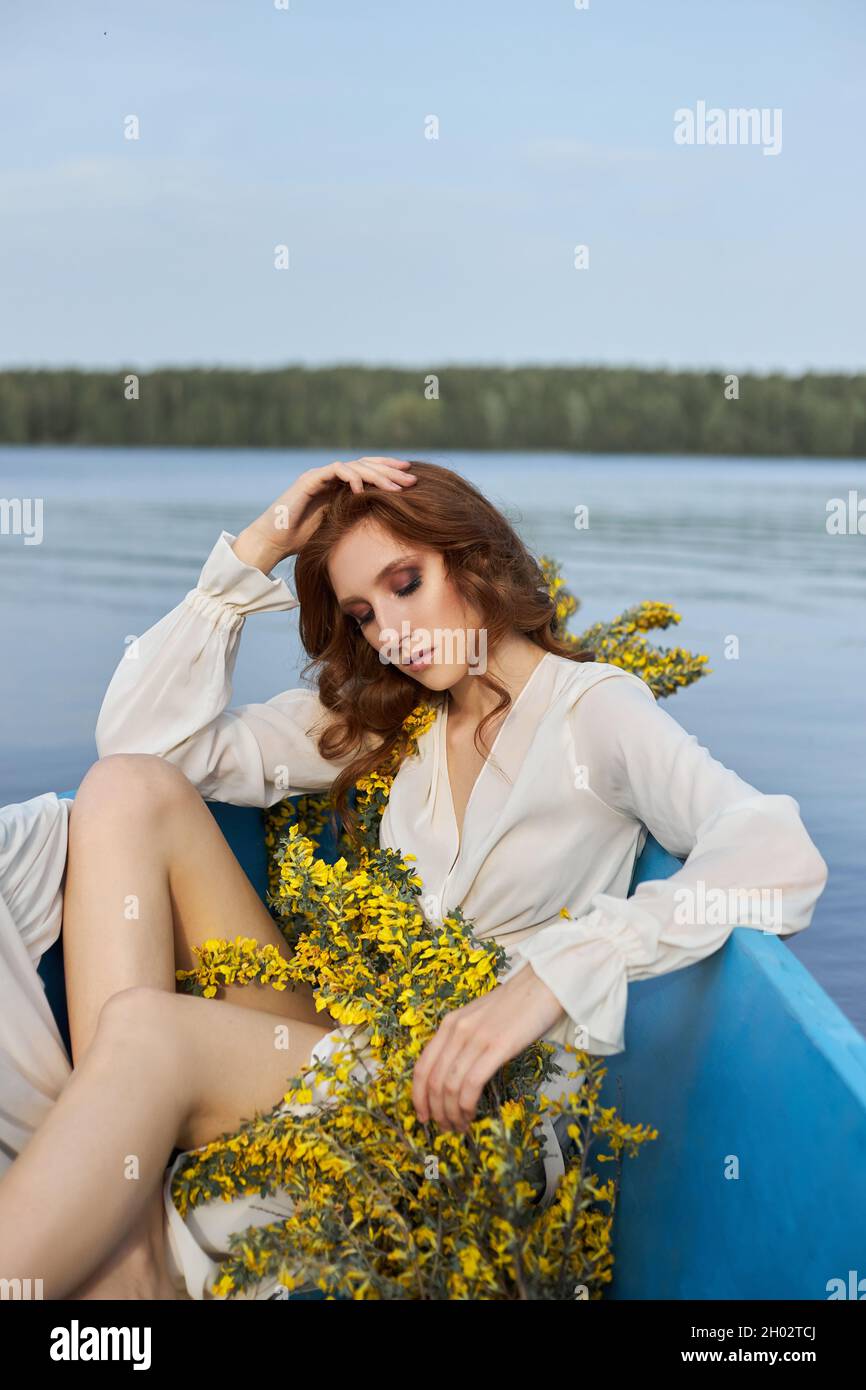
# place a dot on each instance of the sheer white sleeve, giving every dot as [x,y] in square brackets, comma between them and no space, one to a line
[170,692]
[750,862]
[33,842]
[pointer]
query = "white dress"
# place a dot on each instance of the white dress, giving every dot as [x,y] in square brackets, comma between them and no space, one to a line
[584,762]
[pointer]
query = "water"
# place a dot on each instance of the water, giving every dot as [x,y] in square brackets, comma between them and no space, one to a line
[738,546]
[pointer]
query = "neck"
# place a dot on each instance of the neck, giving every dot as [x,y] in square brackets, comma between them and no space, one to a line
[512,664]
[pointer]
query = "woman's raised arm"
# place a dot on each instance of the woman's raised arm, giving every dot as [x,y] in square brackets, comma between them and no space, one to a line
[170,692]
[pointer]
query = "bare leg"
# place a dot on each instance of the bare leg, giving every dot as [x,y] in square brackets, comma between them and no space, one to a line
[162,1069]
[149,875]
[138,1267]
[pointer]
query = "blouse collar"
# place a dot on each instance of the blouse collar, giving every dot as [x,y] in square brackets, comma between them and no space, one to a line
[419,817]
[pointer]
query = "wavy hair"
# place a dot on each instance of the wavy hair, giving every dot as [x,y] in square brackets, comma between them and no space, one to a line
[490,568]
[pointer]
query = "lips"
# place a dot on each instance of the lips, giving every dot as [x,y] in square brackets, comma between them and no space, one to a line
[419,657]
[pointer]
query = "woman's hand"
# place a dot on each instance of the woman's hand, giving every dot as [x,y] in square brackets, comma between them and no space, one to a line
[474,1041]
[290,521]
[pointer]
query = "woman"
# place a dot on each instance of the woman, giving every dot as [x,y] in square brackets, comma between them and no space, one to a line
[413,586]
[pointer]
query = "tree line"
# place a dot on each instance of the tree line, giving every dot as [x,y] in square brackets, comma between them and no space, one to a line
[584,409]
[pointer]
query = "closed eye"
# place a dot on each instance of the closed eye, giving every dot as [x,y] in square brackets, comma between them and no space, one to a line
[401,593]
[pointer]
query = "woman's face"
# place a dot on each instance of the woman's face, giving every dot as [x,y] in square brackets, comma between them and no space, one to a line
[405,606]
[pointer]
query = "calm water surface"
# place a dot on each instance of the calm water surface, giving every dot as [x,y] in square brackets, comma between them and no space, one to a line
[738,547]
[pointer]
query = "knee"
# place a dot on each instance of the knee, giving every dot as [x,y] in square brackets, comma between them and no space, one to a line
[142,1026]
[138,784]
[141,1016]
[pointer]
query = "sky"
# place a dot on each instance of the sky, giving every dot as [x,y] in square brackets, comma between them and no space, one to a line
[305,124]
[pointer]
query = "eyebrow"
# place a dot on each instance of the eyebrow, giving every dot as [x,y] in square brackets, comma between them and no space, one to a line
[397,564]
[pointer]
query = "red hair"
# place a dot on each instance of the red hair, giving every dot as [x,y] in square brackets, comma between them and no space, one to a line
[485,560]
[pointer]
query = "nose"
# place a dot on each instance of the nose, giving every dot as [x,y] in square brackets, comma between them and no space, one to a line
[392,639]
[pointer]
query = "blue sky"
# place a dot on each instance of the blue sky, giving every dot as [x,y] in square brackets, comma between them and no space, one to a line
[305,127]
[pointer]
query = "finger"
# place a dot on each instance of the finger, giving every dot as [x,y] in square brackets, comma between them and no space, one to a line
[446,1080]
[385,475]
[474,1067]
[429,1059]
[387,460]
[384,466]
[457,1119]
[380,476]
[397,468]
[421,1073]
[439,1046]
[486,1064]
[348,474]
[406,479]
[436,1087]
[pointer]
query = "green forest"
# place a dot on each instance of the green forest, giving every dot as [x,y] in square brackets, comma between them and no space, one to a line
[390,410]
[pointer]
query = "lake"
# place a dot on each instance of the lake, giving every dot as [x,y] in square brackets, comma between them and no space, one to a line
[739,547]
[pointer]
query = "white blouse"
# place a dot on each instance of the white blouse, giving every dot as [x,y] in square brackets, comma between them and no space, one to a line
[583,763]
[34,1066]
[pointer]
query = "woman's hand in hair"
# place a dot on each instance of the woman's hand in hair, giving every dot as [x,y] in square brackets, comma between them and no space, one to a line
[474,1041]
[292,519]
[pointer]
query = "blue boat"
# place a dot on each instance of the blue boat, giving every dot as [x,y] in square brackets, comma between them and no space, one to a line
[756,1082]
